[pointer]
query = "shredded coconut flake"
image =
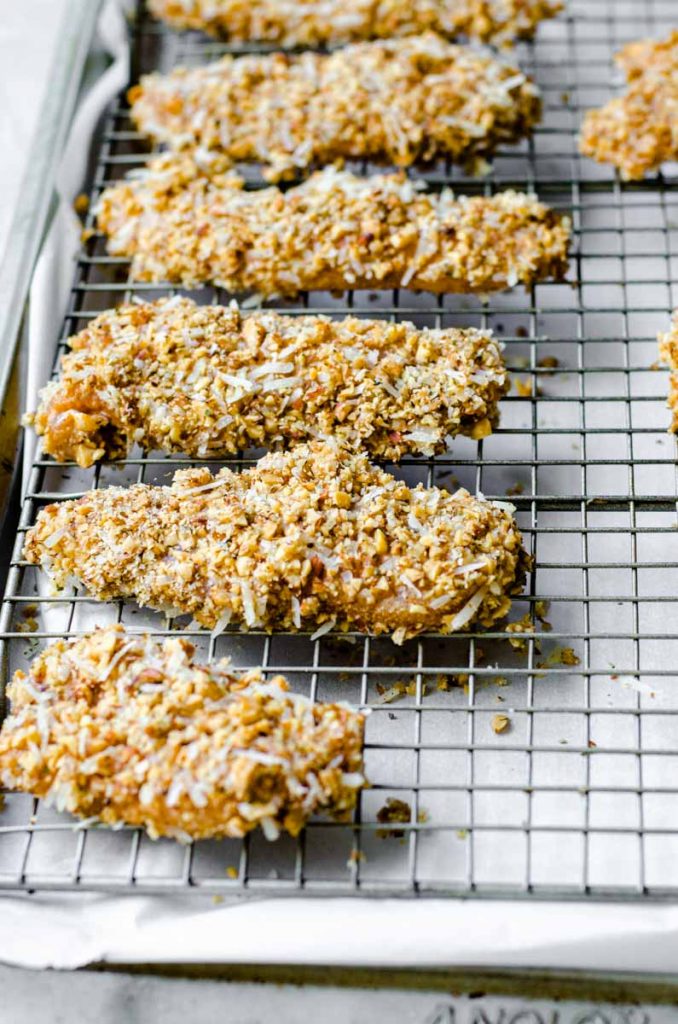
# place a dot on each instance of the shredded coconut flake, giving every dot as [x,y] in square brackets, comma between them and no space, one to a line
[326,627]
[465,614]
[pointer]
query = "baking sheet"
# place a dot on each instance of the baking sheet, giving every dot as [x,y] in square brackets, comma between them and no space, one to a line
[579,797]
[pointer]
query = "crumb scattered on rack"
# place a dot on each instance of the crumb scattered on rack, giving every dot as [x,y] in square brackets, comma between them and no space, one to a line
[522,626]
[668,352]
[81,204]
[549,363]
[541,610]
[560,656]
[501,723]
[389,694]
[29,621]
[525,388]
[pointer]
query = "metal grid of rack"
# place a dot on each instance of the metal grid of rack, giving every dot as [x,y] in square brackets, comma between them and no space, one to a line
[579,796]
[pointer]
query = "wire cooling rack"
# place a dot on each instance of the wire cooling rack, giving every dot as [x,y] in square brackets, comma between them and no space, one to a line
[579,795]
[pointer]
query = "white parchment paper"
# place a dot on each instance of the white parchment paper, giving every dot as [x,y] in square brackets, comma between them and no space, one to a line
[70,931]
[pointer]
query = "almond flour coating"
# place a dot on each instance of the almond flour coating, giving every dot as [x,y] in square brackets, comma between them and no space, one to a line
[335,231]
[208,381]
[668,351]
[319,22]
[637,132]
[401,101]
[132,731]
[313,537]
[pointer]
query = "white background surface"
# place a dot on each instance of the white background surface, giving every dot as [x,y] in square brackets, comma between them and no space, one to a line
[27,39]
[27,31]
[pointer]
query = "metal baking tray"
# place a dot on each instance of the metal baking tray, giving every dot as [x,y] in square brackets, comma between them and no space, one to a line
[578,799]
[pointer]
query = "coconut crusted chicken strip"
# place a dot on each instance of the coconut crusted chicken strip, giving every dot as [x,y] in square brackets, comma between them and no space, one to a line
[208,381]
[668,351]
[400,101]
[638,131]
[335,231]
[316,537]
[132,731]
[320,22]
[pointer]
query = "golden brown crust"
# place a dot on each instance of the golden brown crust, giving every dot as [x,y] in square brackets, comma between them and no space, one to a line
[209,381]
[638,131]
[131,730]
[400,101]
[320,22]
[312,537]
[668,351]
[178,223]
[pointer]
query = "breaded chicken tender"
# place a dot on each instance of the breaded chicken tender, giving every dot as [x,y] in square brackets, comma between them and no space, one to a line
[638,131]
[398,101]
[179,223]
[668,351]
[320,22]
[315,537]
[131,730]
[209,381]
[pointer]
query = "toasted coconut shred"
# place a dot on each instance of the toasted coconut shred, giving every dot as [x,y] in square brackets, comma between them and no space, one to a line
[130,730]
[209,381]
[401,101]
[180,223]
[317,524]
[638,131]
[316,22]
[668,351]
